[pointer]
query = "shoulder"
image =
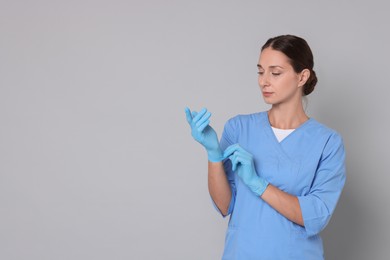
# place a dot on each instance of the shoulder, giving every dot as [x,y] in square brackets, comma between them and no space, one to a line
[244,119]
[320,129]
[325,136]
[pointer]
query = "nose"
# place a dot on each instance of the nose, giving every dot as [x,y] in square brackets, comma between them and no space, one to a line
[263,80]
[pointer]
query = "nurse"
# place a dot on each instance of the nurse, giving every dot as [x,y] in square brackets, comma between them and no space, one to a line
[278,174]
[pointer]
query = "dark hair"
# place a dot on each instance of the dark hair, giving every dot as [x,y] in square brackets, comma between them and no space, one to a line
[300,55]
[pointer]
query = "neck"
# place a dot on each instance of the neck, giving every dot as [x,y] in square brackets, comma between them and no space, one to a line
[287,117]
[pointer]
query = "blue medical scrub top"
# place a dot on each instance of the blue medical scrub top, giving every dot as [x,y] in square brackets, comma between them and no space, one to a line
[308,163]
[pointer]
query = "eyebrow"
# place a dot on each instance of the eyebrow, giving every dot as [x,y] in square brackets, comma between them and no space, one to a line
[271,67]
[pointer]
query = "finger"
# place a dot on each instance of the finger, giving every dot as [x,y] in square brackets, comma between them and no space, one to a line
[203,119]
[237,148]
[233,159]
[243,157]
[203,126]
[194,113]
[240,172]
[230,150]
[188,115]
[199,115]
[239,160]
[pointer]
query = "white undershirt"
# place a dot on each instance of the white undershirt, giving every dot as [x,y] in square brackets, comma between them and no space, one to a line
[281,133]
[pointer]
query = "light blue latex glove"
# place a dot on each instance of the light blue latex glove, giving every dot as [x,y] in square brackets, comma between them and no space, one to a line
[203,133]
[242,161]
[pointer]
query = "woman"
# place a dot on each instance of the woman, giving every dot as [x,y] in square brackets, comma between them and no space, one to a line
[278,173]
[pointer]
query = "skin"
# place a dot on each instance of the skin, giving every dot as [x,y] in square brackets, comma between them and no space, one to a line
[282,88]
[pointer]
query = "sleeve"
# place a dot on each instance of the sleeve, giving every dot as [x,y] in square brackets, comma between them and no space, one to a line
[319,204]
[228,138]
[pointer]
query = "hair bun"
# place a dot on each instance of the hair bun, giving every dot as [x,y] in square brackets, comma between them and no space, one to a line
[310,84]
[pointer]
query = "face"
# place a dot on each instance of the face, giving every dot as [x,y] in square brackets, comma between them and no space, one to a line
[278,81]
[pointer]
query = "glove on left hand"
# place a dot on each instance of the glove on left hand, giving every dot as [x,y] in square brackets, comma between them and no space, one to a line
[242,161]
[203,133]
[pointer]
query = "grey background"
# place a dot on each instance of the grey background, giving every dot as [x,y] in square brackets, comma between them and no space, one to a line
[96,158]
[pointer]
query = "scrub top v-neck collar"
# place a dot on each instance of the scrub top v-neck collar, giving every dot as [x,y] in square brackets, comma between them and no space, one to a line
[272,138]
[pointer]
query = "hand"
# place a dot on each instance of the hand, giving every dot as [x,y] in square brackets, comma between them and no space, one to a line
[203,133]
[242,161]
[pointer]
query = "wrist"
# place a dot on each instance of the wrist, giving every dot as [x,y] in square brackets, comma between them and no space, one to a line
[260,186]
[215,155]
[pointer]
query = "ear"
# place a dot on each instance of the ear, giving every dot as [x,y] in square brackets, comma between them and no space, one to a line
[303,77]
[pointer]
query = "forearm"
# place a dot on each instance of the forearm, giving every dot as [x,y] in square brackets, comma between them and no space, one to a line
[219,187]
[284,203]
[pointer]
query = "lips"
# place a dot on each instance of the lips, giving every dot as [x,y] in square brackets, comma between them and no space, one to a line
[267,94]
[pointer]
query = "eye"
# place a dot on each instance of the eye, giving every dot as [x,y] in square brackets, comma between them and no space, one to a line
[276,73]
[260,72]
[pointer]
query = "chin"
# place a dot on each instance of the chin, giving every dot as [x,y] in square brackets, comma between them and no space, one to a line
[269,101]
